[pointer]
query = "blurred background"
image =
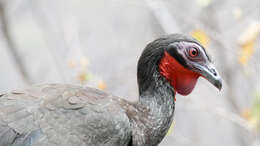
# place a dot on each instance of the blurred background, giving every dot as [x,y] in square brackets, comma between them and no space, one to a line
[97,43]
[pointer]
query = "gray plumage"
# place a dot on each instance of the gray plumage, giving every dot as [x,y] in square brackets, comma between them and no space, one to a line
[56,114]
[69,115]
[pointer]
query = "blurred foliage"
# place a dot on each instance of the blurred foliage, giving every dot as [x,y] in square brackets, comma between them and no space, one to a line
[246,52]
[84,76]
[201,36]
[255,111]
[237,12]
[101,85]
[247,42]
[252,114]
[204,3]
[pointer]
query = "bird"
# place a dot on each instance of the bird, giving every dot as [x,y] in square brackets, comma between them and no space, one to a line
[74,115]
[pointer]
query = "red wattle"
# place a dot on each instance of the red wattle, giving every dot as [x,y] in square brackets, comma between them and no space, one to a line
[182,80]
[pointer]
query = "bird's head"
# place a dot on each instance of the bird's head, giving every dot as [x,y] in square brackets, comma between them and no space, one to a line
[180,59]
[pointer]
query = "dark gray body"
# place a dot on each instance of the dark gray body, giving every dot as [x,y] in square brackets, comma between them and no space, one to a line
[68,115]
[63,115]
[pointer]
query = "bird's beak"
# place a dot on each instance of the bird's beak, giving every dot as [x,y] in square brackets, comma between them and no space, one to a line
[210,73]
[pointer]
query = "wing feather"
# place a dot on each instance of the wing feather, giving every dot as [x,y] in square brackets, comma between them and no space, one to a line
[56,114]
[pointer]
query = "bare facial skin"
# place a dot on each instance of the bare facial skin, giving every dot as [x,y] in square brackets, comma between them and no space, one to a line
[198,61]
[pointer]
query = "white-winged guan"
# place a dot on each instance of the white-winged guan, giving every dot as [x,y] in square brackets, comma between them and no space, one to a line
[69,115]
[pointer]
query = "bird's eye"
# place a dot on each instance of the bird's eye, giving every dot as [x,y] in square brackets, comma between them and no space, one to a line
[193,52]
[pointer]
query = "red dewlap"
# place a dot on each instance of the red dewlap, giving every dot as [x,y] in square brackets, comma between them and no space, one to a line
[182,80]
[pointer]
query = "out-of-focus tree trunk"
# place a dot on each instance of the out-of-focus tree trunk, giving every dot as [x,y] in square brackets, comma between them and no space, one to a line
[14,53]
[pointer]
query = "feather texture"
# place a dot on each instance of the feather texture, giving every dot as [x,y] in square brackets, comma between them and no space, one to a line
[65,115]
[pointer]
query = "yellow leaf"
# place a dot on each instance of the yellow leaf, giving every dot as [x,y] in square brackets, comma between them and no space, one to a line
[171,129]
[83,76]
[246,52]
[246,113]
[247,41]
[101,85]
[201,36]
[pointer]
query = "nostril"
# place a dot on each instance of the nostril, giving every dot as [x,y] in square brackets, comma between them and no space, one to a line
[214,72]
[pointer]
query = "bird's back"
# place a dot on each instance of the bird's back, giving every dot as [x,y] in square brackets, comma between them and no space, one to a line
[64,115]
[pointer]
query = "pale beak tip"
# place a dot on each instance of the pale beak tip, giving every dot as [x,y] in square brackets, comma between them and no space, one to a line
[218,84]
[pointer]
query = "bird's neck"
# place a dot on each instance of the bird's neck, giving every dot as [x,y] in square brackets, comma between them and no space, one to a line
[159,102]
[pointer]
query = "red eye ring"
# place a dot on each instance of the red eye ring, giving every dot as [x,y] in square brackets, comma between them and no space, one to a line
[193,52]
